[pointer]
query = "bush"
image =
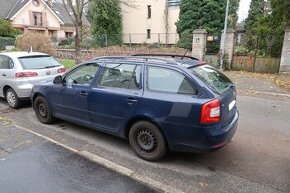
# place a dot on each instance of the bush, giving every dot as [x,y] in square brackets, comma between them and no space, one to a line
[6,41]
[66,42]
[185,40]
[37,41]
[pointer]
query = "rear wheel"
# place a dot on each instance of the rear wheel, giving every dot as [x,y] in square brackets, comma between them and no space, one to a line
[147,141]
[12,99]
[43,111]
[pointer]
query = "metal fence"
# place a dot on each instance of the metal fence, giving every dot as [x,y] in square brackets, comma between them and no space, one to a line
[101,41]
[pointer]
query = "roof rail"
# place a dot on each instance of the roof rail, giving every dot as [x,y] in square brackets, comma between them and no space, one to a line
[132,57]
[167,55]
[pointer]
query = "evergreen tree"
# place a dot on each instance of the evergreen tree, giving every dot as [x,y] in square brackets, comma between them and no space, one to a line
[265,26]
[233,13]
[6,30]
[106,19]
[203,14]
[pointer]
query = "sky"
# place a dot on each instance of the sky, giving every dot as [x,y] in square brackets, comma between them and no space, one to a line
[243,9]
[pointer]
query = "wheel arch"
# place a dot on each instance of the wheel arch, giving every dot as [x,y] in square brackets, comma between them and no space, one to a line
[138,118]
[5,88]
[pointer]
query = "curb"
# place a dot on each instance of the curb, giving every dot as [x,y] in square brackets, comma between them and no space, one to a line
[241,92]
[158,186]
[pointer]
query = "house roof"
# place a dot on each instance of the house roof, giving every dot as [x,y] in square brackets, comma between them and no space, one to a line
[9,8]
[60,10]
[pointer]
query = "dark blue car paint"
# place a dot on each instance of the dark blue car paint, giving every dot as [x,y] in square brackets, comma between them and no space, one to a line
[113,110]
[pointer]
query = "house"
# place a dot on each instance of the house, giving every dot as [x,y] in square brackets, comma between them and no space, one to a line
[49,17]
[151,21]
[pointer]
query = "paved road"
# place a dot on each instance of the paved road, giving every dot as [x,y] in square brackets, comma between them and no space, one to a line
[29,163]
[257,160]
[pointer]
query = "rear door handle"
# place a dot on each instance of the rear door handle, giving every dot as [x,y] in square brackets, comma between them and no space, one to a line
[4,74]
[83,93]
[130,101]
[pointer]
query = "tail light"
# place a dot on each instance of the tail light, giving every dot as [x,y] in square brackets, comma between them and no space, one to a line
[61,70]
[210,112]
[25,74]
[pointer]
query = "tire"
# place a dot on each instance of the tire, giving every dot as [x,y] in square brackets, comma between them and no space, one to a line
[12,99]
[43,111]
[147,141]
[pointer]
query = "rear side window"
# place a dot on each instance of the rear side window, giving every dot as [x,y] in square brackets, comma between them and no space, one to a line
[125,76]
[38,62]
[170,81]
[6,62]
[215,79]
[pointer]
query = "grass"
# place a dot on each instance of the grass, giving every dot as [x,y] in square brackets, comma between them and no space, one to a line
[68,63]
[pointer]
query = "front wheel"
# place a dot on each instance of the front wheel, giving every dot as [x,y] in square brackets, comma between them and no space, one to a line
[43,111]
[12,99]
[147,141]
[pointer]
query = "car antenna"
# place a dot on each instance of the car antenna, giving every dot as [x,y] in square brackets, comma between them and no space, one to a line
[31,50]
[184,54]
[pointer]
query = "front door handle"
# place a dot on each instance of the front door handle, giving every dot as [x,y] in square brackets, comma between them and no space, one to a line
[4,75]
[83,93]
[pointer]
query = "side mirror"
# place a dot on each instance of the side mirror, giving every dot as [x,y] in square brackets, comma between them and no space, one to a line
[57,80]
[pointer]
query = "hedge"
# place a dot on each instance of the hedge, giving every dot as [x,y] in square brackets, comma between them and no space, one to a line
[6,41]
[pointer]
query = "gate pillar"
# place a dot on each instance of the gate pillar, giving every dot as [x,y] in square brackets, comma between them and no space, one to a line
[199,43]
[285,57]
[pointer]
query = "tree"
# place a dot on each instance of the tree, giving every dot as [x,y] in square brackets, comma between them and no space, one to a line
[6,30]
[106,19]
[77,7]
[204,14]
[265,26]
[282,8]
[233,13]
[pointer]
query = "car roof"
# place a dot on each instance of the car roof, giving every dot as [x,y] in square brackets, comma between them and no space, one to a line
[22,54]
[152,59]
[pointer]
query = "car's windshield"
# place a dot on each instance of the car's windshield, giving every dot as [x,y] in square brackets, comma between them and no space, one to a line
[215,79]
[38,62]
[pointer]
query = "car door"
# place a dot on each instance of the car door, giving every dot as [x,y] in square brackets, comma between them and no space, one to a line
[171,98]
[6,72]
[70,98]
[115,96]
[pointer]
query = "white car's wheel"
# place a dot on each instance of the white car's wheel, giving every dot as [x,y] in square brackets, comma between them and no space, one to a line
[12,98]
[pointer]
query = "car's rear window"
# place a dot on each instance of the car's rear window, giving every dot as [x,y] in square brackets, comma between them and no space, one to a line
[215,79]
[38,62]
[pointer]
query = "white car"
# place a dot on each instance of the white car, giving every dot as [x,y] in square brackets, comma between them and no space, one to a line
[19,71]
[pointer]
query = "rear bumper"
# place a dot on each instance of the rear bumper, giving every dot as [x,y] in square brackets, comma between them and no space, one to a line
[210,139]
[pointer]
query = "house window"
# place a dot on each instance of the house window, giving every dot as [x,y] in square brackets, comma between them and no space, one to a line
[37,19]
[148,33]
[149,11]
[69,34]
[172,3]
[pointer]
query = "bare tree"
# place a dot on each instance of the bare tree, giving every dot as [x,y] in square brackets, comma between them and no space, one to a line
[77,7]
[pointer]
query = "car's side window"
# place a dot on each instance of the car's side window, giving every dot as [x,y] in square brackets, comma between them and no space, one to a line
[82,75]
[6,62]
[168,80]
[118,75]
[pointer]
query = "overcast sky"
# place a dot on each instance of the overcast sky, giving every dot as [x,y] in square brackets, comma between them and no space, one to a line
[243,9]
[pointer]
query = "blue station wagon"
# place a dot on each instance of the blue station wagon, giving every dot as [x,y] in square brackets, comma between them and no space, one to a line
[157,103]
